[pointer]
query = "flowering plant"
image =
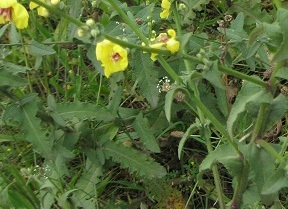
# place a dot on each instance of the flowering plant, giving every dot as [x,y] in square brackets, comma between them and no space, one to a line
[140,104]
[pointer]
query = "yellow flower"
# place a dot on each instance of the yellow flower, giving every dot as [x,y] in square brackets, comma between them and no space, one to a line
[41,11]
[166,4]
[166,40]
[155,46]
[112,56]
[11,10]
[172,45]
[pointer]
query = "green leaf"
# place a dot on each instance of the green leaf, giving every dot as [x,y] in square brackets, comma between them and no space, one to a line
[276,181]
[249,93]
[196,4]
[14,35]
[192,128]
[213,75]
[87,186]
[141,126]
[14,69]
[134,160]
[169,101]
[147,77]
[38,49]
[3,29]
[84,111]
[19,201]
[282,73]
[226,155]
[281,53]
[7,79]
[278,108]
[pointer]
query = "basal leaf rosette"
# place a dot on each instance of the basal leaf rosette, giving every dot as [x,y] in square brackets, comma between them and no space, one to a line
[112,56]
[12,11]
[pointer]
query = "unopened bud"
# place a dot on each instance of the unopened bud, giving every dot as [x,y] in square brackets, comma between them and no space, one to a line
[95,32]
[55,2]
[80,32]
[90,22]
[182,6]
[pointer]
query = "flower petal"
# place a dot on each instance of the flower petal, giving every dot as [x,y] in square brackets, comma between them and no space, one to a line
[171,33]
[172,45]
[20,16]
[105,51]
[7,3]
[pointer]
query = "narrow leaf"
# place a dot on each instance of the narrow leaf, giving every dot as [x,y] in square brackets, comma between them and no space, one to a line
[84,111]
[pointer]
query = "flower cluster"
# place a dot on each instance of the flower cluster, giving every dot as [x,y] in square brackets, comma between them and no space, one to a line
[165,5]
[112,56]
[12,11]
[166,40]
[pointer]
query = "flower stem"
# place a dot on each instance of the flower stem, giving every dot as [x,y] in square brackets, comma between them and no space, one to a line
[133,25]
[215,122]
[168,69]
[230,71]
[136,46]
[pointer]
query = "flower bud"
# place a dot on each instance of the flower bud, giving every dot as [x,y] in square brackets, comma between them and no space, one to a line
[80,32]
[90,22]
[55,2]
[95,32]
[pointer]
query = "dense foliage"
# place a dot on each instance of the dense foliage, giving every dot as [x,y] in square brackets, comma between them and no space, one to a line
[167,104]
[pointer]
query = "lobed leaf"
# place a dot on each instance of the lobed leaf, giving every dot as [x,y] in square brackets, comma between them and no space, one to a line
[134,160]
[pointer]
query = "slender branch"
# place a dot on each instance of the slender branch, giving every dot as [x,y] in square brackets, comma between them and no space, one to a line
[230,71]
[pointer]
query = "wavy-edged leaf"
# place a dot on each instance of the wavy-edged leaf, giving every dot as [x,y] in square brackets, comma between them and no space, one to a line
[134,160]
[25,114]
[141,126]
[84,111]
[147,78]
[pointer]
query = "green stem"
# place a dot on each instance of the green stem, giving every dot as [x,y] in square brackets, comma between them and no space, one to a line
[168,69]
[59,12]
[259,121]
[131,45]
[241,187]
[217,179]
[133,25]
[230,71]
[277,67]
[26,61]
[215,122]
[270,149]
[243,76]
